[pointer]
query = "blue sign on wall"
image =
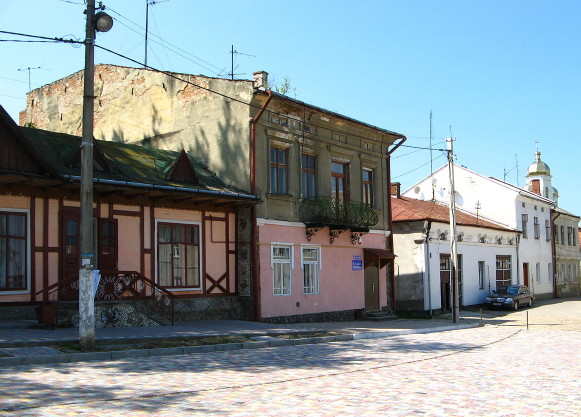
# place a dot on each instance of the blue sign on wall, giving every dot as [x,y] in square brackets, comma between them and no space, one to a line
[357,263]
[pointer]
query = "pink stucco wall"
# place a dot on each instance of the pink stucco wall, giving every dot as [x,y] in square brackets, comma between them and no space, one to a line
[341,288]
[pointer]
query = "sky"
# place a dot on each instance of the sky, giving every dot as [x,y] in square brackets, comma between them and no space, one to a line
[499,76]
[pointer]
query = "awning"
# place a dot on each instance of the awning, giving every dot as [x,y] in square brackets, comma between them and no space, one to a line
[378,257]
[382,253]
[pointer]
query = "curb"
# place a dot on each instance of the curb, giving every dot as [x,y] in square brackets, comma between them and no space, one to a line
[187,350]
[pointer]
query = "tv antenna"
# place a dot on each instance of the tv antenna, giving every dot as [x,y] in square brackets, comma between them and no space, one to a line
[29,69]
[506,172]
[147,4]
[235,52]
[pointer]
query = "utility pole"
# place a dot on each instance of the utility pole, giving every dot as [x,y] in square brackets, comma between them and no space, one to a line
[453,235]
[101,22]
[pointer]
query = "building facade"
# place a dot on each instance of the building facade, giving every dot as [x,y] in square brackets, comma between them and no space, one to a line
[322,245]
[506,205]
[168,232]
[487,253]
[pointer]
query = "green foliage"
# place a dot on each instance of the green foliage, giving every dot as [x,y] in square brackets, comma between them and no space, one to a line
[285,87]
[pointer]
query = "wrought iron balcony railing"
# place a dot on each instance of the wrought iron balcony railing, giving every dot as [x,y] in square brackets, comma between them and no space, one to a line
[326,211]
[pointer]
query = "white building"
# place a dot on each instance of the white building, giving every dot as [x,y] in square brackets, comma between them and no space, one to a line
[486,255]
[510,206]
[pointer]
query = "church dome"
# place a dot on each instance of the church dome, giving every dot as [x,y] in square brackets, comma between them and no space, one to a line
[538,167]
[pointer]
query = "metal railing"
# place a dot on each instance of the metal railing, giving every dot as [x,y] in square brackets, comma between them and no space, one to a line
[121,285]
[327,211]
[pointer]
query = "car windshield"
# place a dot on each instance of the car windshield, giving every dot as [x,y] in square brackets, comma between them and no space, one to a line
[508,290]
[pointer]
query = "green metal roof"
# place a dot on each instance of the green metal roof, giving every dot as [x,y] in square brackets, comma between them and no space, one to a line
[124,162]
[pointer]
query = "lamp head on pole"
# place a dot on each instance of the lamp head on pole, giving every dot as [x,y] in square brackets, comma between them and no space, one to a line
[102,22]
[449,144]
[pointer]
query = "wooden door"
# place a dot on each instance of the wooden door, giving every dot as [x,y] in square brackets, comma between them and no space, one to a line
[445,294]
[107,245]
[371,288]
[525,273]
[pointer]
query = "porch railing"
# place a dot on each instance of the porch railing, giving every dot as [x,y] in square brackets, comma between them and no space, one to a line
[121,285]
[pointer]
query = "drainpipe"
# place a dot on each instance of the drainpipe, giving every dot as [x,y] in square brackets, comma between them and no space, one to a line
[254,242]
[390,217]
[554,252]
[427,227]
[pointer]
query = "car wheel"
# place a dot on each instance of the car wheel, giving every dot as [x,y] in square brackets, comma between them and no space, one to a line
[515,306]
[530,302]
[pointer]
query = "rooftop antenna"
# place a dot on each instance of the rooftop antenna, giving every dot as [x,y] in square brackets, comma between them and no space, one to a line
[506,172]
[431,158]
[29,69]
[147,4]
[235,52]
[477,206]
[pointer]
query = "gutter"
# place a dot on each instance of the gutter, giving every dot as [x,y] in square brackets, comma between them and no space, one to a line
[164,187]
[254,239]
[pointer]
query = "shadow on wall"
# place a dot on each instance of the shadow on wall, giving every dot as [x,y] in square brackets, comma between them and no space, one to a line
[218,147]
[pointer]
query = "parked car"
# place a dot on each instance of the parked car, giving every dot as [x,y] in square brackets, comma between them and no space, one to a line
[512,296]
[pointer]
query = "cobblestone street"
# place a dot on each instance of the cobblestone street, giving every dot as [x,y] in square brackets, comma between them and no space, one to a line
[488,371]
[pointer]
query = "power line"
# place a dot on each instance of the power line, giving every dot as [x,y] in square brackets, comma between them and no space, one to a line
[174,76]
[415,169]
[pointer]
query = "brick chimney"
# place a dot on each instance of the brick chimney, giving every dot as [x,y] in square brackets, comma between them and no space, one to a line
[261,79]
[395,189]
[536,186]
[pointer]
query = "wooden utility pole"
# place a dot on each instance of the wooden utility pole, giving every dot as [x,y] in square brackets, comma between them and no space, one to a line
[86,300]
[453,235]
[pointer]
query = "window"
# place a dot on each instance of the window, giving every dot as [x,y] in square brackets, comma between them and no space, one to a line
[278,170]
[13,255]
[178,248]
[481,274]
[525,219]
[309,176]
[537,228]
[548,231]
[311,264]
[281,265]
[570,237]
[368,196]
[339,180]
[538,272]
[562,235]
[503,271]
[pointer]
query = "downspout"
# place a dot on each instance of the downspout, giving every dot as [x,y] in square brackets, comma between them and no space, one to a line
[390,217]
[427,228]
[554,252]
[254,238]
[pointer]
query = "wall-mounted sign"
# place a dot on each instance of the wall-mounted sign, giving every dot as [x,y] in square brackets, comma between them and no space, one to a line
[357,263]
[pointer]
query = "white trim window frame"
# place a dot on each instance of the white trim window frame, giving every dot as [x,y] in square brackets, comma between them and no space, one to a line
[175,253]
[27,252]
[311,265]
[281,262]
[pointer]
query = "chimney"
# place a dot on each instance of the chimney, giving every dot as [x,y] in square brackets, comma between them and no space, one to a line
[261,79]
[536,186]
[394,189]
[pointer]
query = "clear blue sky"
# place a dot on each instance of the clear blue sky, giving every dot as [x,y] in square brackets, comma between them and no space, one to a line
[500,74]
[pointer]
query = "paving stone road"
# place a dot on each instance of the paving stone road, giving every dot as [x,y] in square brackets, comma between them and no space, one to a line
[486,371]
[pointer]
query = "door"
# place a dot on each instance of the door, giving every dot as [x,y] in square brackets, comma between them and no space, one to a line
[107,245]
[445,294]
[371,288]
[525,273]
[70,252]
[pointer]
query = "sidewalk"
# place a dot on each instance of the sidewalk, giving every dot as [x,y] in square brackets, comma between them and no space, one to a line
[21,346]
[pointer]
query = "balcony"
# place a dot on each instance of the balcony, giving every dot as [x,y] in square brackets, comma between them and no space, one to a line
[338,216]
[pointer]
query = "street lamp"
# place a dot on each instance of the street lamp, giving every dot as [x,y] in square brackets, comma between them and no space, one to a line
[101,22]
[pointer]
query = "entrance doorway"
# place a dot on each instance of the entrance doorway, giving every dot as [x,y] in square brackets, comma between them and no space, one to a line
[371,288]
[446,292]
[525,273]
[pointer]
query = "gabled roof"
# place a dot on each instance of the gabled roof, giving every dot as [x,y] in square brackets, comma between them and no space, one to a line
[55,156]
[405,209]
[514,188]
[125,162]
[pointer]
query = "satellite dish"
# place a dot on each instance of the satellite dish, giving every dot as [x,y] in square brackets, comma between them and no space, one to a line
[434,182]
[417,190]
